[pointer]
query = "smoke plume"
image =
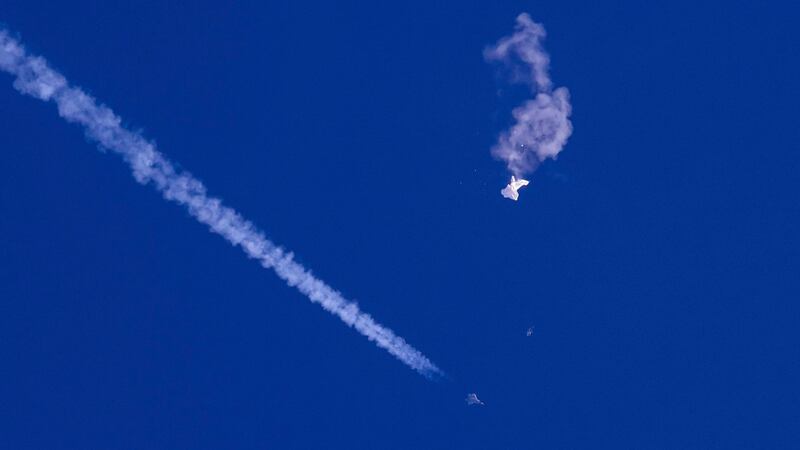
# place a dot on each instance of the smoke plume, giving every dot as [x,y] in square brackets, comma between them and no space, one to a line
[542,125]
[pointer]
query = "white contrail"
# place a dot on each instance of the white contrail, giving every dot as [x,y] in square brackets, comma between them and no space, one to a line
[542,125]
[35,78]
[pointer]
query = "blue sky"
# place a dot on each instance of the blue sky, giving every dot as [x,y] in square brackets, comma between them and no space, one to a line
[656,258]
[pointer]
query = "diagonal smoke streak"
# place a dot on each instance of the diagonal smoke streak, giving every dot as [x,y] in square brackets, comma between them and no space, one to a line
[35,78]
[542,125]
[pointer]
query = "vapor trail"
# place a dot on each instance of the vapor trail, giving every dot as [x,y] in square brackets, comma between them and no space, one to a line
[542,124]
[35,78]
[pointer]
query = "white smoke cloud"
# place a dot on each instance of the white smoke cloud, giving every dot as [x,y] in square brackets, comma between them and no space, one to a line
[542,125]
[35,78]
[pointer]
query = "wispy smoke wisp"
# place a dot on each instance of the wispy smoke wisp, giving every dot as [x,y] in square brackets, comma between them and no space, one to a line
[542,125]
[35,78]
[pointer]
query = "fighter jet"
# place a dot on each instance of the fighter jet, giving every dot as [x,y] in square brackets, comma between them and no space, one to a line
[472,399]
[510,191]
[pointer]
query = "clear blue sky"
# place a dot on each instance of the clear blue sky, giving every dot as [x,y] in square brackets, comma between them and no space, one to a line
[657,258]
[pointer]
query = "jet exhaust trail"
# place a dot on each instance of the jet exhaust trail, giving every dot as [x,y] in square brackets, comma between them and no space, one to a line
[35,78]
[542,125]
